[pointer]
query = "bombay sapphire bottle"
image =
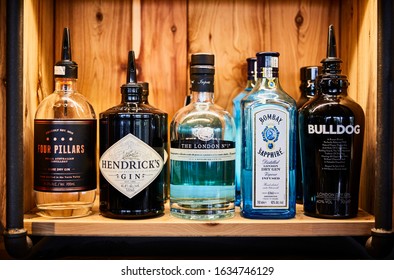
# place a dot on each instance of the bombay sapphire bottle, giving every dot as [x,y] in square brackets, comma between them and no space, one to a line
[132,155]
[268,145]
[308,76]
[251,80]
[65,128]
[202,151]
[331,128]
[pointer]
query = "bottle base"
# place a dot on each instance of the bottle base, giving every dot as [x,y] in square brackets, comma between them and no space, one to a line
[64,205]
[202,211]
[64,211]
[126,215]
[326,216]
[268,215]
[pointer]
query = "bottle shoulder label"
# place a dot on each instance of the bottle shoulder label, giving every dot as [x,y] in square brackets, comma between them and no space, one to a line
[271,139]
[130,165]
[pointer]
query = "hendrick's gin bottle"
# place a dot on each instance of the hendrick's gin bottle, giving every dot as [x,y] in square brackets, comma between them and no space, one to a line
[331,128]
[133,141]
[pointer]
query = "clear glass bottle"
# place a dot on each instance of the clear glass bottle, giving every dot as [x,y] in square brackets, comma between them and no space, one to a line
[133,154]
[331,128]
[202,153]
[308,89]
[65,129]
[250,82]
[268,145]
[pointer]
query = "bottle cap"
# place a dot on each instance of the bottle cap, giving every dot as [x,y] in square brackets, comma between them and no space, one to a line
[202,63]
[251,61]
[131,86]
[309,73]
[66,68]
[267,64]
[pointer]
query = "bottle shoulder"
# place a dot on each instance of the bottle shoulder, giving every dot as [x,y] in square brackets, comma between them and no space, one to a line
[133,108]
[65,105]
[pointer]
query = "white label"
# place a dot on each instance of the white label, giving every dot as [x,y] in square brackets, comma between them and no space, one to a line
[130,165]
[60,70]
[270,158]
[198,155]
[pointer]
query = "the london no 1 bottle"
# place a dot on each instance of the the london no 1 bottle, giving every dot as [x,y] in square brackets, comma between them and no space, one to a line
[331,128]
[308,77]
[132,154]
[202,154]
[268,145]
[250,82]
[65,145]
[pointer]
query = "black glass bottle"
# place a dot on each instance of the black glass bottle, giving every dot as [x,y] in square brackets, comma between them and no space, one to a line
[308,76]
[331,128]
[133,140]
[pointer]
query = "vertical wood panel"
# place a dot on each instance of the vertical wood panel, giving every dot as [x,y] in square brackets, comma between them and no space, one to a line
[2,112]
[359,52]
[162,58]
[235,30]
[37,70]
[101,38]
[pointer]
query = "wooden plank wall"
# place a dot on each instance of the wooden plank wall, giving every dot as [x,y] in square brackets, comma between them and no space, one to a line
[164,34]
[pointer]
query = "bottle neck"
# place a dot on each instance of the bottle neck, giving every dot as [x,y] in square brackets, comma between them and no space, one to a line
[131,98]
[66,84]
[202,89]
[202,97]
[268,83]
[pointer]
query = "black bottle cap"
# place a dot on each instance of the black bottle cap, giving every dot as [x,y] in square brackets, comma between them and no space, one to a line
[267,64]
[202,63]
[309,73]
[251,62]
[331,81]
[131,86]
[66,68]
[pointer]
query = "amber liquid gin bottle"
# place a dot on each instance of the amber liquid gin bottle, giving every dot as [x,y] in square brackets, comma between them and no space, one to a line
[308,77]
[133,154]
[251,80]
[268,145]
[331,128]
[65,145]
[202,151]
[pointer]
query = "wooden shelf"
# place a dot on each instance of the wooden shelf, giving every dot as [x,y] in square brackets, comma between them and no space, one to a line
[168,226]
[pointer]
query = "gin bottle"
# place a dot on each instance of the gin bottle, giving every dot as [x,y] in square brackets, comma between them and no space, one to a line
[202,151]
[331,128]
[251,80]
[133,138]
[65,145]
[308,77]
[268,145]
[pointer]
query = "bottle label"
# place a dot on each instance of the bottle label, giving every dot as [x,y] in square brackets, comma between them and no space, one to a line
[65,155]
[202,151]
[270,158]
[130,165]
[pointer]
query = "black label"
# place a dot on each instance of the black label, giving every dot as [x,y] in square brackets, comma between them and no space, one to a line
[65,155]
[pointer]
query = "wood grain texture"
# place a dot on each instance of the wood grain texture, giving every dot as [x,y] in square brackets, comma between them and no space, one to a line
[358,35]
[101,39]
[235,30]
[168,226]
[2,112]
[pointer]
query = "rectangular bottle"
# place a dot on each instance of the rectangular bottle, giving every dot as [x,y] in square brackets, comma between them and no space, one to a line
[331,128]
[133,142]
[202,153]
[268,145]
[65,129]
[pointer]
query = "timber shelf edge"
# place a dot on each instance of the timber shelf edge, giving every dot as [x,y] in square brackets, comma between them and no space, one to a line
[168,226]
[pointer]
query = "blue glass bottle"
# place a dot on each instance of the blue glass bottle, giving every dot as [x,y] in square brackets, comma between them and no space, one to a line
[269,139]
[251,80]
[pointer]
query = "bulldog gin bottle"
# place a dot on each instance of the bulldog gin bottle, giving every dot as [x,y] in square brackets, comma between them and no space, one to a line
[268,145]
[331,129]
[202,151]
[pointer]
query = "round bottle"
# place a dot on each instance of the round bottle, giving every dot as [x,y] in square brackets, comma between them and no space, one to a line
[65,145]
